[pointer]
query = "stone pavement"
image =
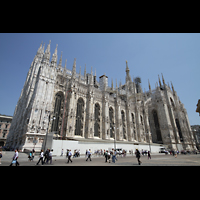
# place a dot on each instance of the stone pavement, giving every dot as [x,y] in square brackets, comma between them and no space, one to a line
[157,160]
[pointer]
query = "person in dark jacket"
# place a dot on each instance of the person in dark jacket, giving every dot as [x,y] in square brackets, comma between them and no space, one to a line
[46,156]
[149,155]
[137,153]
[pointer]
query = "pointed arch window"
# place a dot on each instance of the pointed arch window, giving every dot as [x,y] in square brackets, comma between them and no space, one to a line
[172,102]
[58,111]
[111,116]
[133,121]
[179,130]
[79,117]
[123,124]
[157,126]
[97,120]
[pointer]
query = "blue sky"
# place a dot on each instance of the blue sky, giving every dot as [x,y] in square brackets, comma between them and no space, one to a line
[176,55]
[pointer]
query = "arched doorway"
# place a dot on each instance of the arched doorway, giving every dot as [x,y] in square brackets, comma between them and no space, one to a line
[157,126]
[97,120]
[57,114]
[79,117]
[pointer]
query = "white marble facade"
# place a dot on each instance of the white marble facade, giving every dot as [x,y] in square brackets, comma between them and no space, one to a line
[78,106]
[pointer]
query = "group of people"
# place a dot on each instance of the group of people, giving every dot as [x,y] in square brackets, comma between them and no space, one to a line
[47,156]
[109,154]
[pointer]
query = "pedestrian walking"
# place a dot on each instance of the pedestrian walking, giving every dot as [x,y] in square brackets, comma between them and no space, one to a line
[106,155]
[46,156]
[114,156]
[50,156]
[137,153]
[33,154]
[149,155]
[15,157]
[30,156]
[67,153]
[41,158]
[89,155]
[69,156]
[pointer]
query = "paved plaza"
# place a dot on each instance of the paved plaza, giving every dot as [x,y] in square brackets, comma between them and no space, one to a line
[129,160]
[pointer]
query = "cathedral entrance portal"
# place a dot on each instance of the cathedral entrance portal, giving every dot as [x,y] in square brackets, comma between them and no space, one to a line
[79,117]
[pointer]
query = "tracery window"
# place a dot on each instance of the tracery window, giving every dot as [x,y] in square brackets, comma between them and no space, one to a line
[133,121]
[97,120]
[57,115]
[79,117]
[179,130]
[111,116]
[157,126]
[123,124]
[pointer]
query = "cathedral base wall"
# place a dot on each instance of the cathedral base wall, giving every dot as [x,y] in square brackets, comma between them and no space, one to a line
[58,145]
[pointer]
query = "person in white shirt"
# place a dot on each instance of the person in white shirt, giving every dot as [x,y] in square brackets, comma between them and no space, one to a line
[89,155]
[69,156]
[41,158]
[15,157]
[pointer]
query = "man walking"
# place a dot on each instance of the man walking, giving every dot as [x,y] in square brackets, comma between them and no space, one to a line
[46,156]
[15,157]
[41,158]
[89,155]
[69,156]
[137,153]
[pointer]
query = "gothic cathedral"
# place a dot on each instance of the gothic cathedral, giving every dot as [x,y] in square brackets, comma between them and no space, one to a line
[76,106]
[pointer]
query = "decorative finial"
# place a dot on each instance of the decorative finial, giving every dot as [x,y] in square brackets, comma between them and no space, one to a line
[60,61]
[163,79]
[159,80]
[80,71]
[149,86]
